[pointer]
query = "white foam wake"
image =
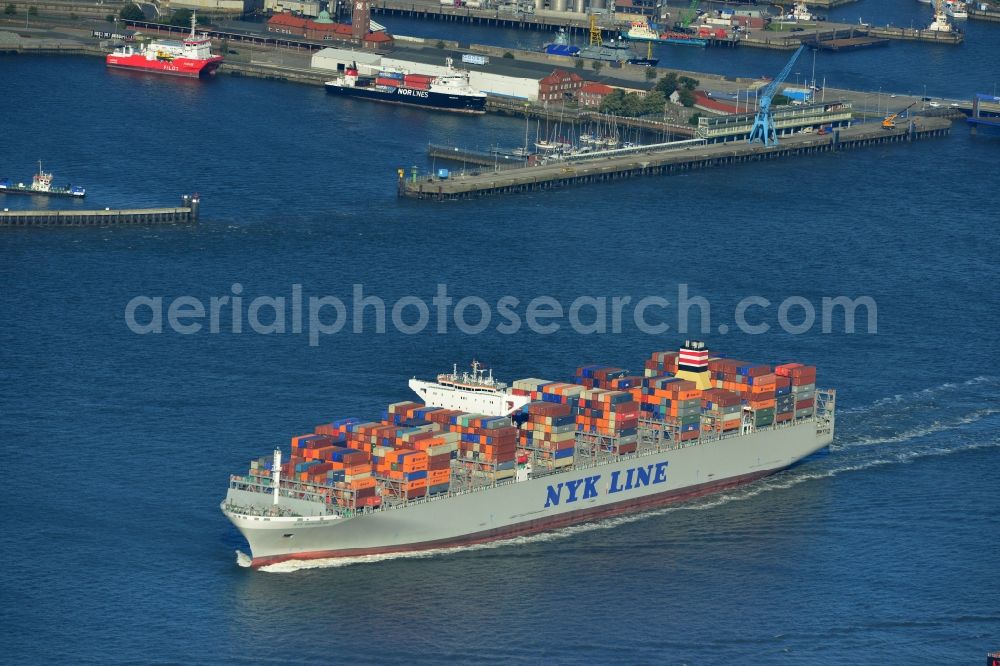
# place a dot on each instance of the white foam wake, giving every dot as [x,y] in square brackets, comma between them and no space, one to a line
[917,432]
[900,398]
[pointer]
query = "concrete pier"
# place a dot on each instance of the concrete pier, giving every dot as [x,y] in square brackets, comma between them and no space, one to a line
[661,161]
[186,213]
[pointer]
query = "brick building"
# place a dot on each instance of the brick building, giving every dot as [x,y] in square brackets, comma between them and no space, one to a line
[559,85]
[592,94]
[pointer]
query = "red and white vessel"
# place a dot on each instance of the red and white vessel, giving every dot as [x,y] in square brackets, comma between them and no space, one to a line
[191,57]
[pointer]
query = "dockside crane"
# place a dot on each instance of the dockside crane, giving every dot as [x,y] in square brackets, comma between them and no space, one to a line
[889,122]
[690,15]
[763,125]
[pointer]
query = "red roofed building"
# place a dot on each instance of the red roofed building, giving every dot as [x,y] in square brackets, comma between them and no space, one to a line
[325,30]
[592,94]
[377,40]
[559,85]
[286,24]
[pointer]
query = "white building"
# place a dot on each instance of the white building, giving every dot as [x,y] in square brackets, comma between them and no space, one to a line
[303,7]
[337,60]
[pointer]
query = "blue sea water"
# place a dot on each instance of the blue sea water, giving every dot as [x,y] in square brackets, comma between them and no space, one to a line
[117,447]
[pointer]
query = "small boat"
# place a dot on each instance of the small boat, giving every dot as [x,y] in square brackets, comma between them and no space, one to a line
[648,61]
[552,146]
[560,45]
[642,31]
[41,184]
[956,9]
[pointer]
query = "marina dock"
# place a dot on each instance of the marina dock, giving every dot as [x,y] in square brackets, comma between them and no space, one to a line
[912,34]
[661,161]
[185,214]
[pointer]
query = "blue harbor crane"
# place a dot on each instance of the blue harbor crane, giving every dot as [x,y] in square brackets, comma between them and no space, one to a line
[763,124]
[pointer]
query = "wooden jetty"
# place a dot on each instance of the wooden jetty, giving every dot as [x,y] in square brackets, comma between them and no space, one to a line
[661,161]
[847,43]
[186,213]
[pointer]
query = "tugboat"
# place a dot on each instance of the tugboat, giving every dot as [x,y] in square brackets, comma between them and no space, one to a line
[613,51]
[190,58]
[41,184]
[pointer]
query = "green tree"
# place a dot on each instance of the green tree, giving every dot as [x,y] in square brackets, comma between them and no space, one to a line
[650,73]
[439,45]
[508,55]
[110,18]
[10,9]
[652,103]
[182,17]
[614,102]
[780,100]
[578,64]
[667,85]
[131,12]
[686,97]
[687,82]
[693,120]
[597,65]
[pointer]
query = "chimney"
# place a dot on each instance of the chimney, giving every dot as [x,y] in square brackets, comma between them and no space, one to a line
[692,364]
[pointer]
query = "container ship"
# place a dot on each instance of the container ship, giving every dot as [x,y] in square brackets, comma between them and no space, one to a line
[191,57]
[480,461]
[449,92]
[41,185]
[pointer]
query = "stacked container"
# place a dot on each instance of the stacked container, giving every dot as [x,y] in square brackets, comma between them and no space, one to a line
[441,449]
[724,409]
[598,376]
[392,79]
[549,434]
[803,383]
[486,443]
[328,460]
[403,472]
[676,402]
[754,382]
[661,363]
[784,408]
[417,81]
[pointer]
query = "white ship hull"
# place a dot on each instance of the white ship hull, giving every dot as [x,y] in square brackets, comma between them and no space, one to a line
[517,508]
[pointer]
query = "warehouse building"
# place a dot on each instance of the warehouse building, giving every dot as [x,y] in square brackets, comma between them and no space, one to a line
[787,120]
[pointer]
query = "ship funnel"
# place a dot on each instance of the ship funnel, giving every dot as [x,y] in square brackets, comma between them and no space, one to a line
[692,364]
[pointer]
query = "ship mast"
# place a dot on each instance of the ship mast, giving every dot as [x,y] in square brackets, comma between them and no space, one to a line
[194,20]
